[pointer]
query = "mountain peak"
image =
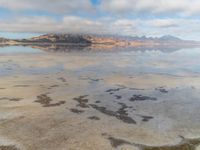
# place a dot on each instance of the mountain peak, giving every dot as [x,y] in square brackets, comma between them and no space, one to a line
[169,37]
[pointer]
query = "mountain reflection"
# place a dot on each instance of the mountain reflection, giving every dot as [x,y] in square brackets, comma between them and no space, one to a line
[64,48]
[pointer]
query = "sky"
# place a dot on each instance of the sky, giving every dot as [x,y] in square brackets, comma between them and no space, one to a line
[152,18]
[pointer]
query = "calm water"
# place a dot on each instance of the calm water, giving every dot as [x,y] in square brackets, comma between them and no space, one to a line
[124,99]
[181,62]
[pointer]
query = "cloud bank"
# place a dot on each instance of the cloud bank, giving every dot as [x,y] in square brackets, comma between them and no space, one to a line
[123,17]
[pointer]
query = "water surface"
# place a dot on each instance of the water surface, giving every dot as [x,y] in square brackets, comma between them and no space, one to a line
[124,99]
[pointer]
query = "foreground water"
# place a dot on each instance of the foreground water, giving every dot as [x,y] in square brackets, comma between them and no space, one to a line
[127,100]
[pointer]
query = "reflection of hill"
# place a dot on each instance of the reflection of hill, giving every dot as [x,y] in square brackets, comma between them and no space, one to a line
[58,47]
[62,48]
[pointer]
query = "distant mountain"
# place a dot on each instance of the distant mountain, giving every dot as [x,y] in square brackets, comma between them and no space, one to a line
[103,41]
[59,38]
[170,38]
[3,40]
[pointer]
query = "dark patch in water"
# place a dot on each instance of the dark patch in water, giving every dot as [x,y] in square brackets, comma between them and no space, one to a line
[94,118]
[62,79]
[8,147]
[8,68]
[161,89]
[95,80]
[15,99]
[53,86]
[113,90]
[11,99]
[142,98]
[146,118]
[117,142]
[92,79]
[45,101]
[97,102]
[82,101]
[77,111]
[21,85]
[136,89]
[121,114]
[2,88]
[118,96]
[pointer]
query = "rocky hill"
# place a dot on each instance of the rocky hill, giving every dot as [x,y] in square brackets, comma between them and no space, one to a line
[59,38]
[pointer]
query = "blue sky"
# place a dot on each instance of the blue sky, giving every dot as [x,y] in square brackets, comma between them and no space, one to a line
[27,18]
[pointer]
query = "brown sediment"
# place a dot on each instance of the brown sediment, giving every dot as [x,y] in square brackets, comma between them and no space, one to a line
[121,114]
[2,88]
[142,98]
[8,147]
[82,101]
[46,101]
[185,144]
[94,118]
[77,111]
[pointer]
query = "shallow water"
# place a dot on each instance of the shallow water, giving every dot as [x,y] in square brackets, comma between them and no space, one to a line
[131,99]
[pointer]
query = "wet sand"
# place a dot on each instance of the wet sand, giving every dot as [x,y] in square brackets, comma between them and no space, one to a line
[99,101]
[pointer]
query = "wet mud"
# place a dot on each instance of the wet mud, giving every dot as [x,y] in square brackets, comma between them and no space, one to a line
[185,144]
[121,114]
[45,101]
[77,111]
[82,101]
[9,147]
[94,118]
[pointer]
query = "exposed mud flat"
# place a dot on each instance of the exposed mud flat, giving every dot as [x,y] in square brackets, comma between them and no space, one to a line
[125,101]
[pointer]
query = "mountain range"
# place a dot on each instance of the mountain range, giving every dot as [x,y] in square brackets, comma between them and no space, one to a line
[100,41]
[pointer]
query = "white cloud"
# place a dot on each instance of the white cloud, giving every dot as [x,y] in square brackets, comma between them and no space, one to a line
[187,28]
[54,6]
[163,23]
[152,7]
